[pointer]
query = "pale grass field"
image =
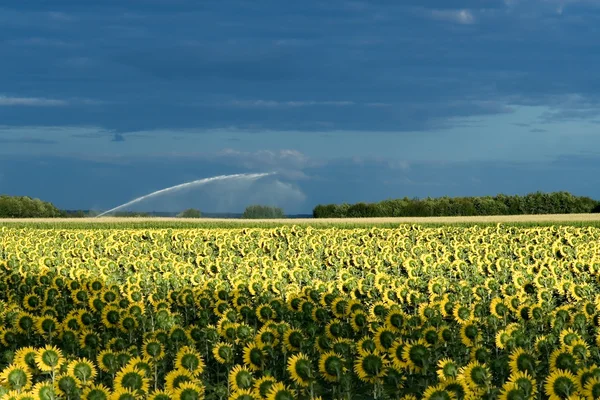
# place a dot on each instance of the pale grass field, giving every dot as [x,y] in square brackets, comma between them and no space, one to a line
[400,220]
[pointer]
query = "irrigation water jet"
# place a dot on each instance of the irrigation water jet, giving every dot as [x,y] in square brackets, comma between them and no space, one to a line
[198,182]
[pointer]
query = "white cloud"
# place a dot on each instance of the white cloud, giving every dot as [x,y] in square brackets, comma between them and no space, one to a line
[283,160]
[463,17]
[31,102]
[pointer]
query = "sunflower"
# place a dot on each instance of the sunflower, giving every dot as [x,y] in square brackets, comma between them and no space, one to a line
[568,336]
[264,384]
[67,385]
[580,349]
[458,388]
[160,395]
[498,308]
[592,389]
[223,353]
[416,354]
[359,320]
[510,391]
[331,366]
[124,395]
[279,391]
[190,359]
[265,313]
[49,358]
[525,382]
[370,367]
[89,339]
[447,369]
[462,313]
[96,392]
[44,391]
[384,338]
[522,361]
[475,375]
[396,353]
[300,369]
[267,337]
[470,334]
[107,361]
[240,378]
[83,370]
[560,385]
[366,345]
[395,320]
[293,339]
[133,379]
[254,357]
[563,359]
[16,377]
[47,326]
[25,356]
[585,374]
[24,322]
[438,392]
[175,378]
[153,349]
[247,394]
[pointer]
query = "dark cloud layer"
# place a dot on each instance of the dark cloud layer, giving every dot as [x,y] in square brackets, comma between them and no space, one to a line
[185,63]
[127,69]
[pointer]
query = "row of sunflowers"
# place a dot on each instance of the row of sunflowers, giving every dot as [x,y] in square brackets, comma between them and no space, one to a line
[300,313]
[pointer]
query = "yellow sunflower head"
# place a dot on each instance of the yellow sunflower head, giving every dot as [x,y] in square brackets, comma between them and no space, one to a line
[16,377]
[563,359]
[331,366]
[189,391]
[240,378]
[560,384]
[188,358]
[522,361]
[591,389]
[254,357]
[67,385]
[223,353]
[49,358]
[525,382]
[438,392]
[447,369]
[174,379]
[132,379]
[300,369]
[416,354]
[96,392]
[83,370]
[279,391]
[370,367]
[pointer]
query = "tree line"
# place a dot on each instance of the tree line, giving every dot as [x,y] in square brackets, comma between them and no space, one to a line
[532,203]
[26,207]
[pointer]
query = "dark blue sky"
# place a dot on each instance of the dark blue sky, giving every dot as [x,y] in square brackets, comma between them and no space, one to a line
[104,101]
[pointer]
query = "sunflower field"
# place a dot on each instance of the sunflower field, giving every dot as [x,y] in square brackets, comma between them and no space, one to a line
[294,312]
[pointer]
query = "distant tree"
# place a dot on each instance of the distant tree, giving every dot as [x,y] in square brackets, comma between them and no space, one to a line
[262,212]
[190,213]
[26,207]
[532,203]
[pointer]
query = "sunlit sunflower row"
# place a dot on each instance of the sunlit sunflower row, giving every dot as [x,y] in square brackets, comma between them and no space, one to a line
[300,313]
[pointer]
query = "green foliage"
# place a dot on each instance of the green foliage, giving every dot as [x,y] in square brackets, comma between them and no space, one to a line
[190,213]
[262,212]
[26,207]
[533,203]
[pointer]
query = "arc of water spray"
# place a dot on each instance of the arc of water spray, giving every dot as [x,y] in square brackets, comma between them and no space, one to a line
[186,185]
